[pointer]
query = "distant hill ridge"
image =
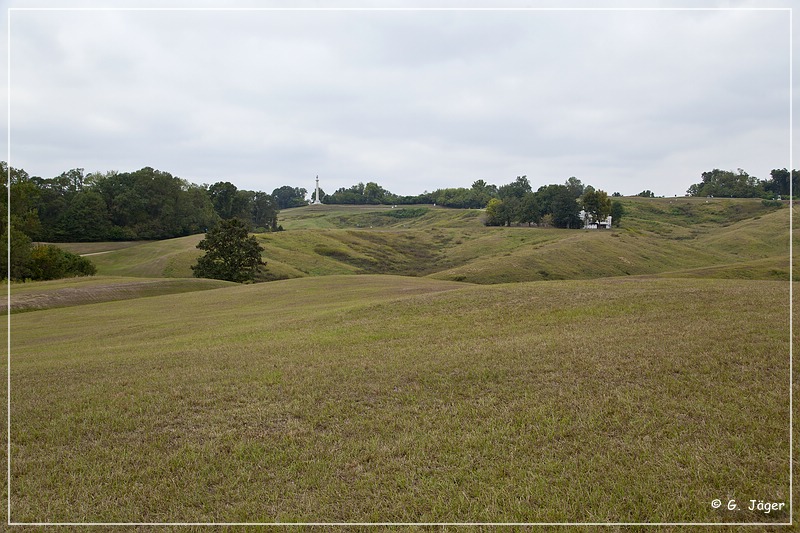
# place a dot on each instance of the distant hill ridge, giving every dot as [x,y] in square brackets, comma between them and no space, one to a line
[737,238]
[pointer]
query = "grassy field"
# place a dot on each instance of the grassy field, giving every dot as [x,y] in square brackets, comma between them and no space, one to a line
[645,378]
[80,291]
[170,258]
[722,238]
[378,398]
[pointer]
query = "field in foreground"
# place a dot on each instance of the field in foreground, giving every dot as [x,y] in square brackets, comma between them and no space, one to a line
[384,398]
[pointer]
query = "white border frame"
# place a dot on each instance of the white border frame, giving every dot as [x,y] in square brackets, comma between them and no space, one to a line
[10,10]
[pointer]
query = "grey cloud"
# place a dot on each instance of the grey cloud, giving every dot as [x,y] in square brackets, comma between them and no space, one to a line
[417,100]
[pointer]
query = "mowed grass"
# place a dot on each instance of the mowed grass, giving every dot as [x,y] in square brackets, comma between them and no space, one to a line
[385,398]
[737,238]
[79,291]
[754,247]
[151,259]
[378,216]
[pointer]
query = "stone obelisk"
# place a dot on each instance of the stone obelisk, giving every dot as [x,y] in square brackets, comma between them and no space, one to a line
[316,199]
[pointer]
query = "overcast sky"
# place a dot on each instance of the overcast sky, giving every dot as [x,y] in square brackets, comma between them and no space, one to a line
[625,100]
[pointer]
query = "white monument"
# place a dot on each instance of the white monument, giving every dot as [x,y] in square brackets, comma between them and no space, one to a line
[316,198]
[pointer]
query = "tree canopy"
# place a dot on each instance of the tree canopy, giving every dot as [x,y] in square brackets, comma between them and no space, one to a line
[740,184]
[231,254]
[551,204]
[144,204]
[287,197]
[596,204]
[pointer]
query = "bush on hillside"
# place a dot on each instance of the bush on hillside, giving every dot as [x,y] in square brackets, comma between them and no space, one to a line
[50,262]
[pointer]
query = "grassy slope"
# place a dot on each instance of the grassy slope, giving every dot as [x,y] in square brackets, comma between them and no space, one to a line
[688,237]
[692,237]
[80,291]
[96,248]
[378,398]
[215,406]
[169,258]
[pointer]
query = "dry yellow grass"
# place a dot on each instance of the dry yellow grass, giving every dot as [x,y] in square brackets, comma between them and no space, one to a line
[374,398]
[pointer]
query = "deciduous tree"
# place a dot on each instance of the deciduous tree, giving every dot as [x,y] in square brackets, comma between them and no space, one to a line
[287,197]
[597,204]
[726,183]
[230,255]
[617,212]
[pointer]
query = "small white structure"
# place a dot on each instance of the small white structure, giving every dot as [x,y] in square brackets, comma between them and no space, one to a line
[590,223]
[316,198]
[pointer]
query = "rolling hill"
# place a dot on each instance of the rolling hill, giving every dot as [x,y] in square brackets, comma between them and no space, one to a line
[389,398]
[613,381]
[685,236]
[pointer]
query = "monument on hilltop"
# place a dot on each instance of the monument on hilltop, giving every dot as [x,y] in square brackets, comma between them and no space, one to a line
[316,198]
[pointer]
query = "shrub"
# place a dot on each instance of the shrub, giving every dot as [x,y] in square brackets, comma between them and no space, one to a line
[50,262]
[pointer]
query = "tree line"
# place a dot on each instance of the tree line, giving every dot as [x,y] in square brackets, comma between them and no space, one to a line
[512,203]
[551,205]
[714,183]
[150,204]
[475,197]
[740,184]
[146,204]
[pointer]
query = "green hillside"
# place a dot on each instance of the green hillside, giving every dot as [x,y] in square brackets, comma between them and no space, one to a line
[380,216]
[385,398]
[150,259]
[618,379]
[94,289]
[658,236]
[686,236]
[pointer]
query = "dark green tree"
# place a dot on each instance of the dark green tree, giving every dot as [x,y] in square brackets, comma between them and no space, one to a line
[374,193]
[151,204]
[223,195]
[25,197]
[85,219]
[530,211]
[482,192]
[779,182]
[360,194]
[264,211]
[287,197]
[230,255]
[575,186]
[518,188]
[597,204]
[194,212]
[460,198]
[565,209]
[617,212]
[19,268]
[726,183]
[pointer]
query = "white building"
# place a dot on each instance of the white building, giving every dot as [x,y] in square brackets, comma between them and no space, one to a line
[590,223]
